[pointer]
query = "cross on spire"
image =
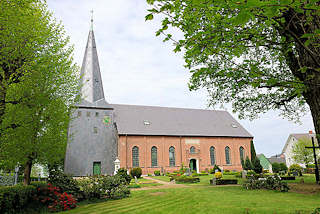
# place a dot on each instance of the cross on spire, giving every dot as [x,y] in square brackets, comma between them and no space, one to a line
[91,11]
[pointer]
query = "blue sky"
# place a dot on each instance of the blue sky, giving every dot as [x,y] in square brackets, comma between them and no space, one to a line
[138,68]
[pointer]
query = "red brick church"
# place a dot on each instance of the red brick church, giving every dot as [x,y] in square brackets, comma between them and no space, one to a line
[153,138]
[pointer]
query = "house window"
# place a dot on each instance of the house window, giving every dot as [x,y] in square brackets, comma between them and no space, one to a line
[79,113]
[241,151]
[97,114]
[135,156]
[88,113]
[96,168]
[212,156]
[192,150]
[227,151]
[154,156]
[172,158]
[95,130]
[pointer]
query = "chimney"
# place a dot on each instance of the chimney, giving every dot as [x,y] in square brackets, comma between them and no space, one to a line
[310,132]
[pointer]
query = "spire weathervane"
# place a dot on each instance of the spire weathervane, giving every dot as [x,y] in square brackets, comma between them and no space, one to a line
[91,19]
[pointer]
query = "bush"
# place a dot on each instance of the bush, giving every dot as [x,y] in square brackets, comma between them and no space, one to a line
[111,187]
[226,181]
[64,182]
[275,167]
[287,178]
[213,170]
[123,173]
[186,179]
[295,168]
[156,173]
[283,167]
[136,172]
[247,164]
[270,183]
[54,198]
[13,199]
[256,166]
[218,175]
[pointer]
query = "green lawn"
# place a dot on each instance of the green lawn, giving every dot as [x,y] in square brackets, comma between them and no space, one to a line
[142,182]
[201,199]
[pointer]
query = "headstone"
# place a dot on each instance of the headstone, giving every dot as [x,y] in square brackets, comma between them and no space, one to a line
[136,179]
[39,177]
[16,175]
[188,172]
[244,174]
[213,181]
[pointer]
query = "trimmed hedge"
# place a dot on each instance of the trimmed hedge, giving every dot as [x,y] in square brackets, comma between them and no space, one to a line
[288,178]
[13,199]
[136,172]
[185,179]
[226,181]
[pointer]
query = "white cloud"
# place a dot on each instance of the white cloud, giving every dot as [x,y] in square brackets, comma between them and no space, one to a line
[138,68]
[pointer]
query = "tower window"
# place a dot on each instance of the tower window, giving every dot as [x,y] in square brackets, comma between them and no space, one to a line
[97,114]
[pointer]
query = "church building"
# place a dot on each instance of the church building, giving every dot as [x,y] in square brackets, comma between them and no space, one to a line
[152,138]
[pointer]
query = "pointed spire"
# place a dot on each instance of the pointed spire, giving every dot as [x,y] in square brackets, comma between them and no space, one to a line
[92,88]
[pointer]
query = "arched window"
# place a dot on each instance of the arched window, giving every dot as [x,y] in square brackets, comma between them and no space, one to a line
[227,151]
[192,150]
[154,156]
[212,156]
[135,156]
[241,151]
[172,159]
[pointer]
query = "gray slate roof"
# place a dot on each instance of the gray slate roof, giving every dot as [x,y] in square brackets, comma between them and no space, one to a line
[130,119]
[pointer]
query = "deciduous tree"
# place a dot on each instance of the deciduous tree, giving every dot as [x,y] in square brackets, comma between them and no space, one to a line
[300,153]
[257,55]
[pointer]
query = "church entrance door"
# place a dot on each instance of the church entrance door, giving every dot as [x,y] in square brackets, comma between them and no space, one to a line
[193,165]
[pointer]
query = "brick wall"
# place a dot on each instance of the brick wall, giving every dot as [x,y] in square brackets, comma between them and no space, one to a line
[182,151]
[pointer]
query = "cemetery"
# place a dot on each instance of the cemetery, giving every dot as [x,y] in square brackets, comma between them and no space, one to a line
[64,148]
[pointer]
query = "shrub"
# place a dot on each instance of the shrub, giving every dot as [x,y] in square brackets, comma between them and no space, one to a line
[149,174]
[275,167]
[247,164]
[13,199]
[288,178]
[64,182]
[227,170]
[186,179]
[123,173]
[270,183]
[226,181]
[213,170]
[218,175]
[283,167]
[157,173]
[136,172]
[111,187]
[295,168]
[256,166]
[54,199]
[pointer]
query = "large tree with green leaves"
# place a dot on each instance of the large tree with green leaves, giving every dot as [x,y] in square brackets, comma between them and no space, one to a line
[38,85]
[300,154]
[257,55]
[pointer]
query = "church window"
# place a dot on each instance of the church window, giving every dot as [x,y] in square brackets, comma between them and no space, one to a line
[241,151]
[212,156]
[135,156]
[97,114]
[79,113]
[192,150]
[154,156]
[88,113]
[227,151]
[96,168]
[172,158]
[95,130]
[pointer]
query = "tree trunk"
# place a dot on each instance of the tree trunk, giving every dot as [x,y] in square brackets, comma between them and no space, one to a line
[27,172]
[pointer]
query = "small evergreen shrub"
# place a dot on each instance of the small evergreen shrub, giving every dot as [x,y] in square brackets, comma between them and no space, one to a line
[283,167]
[256,166]
[136,172]
[186,179]
[123,173]
[247,164]
[157,173]
[295,168]
[64,182]
[226,181]
[275,167]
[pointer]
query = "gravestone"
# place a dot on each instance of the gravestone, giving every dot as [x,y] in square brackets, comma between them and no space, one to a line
[188,172]
[244,174]
[16,175]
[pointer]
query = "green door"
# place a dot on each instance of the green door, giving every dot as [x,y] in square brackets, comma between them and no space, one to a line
[96,168]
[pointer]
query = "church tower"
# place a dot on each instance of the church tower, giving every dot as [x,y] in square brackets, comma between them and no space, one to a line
[92,144]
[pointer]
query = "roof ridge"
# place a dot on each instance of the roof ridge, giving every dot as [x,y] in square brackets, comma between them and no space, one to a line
[170,107]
